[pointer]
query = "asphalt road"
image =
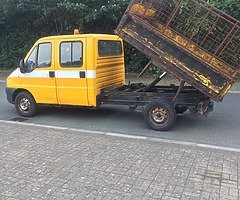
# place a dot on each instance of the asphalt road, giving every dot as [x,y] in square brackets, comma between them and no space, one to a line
[221,127]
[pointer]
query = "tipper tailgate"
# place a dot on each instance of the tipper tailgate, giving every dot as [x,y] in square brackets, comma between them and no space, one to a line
[187,38]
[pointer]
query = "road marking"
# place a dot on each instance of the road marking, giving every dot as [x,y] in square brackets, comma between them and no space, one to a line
[176,142]
[234,92]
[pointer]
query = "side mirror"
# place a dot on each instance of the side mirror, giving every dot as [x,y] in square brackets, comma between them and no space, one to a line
[22,66]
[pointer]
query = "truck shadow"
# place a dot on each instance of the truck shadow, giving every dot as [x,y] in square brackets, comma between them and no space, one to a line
[119,116]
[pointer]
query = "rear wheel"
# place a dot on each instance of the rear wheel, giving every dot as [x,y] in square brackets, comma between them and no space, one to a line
[25,104]
[160,115]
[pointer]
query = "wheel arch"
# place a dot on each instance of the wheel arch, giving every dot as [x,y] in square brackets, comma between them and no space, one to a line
[18,91]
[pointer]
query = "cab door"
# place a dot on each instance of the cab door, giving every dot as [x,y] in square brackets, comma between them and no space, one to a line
[40,81]
[71,72]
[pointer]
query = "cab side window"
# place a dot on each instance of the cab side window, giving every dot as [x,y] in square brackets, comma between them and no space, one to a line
[44,55]
[40,56]
[71,54]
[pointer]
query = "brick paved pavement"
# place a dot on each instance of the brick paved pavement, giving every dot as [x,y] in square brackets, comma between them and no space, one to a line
[42,163]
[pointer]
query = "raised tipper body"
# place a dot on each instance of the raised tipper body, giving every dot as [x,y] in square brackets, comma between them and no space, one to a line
[189,39]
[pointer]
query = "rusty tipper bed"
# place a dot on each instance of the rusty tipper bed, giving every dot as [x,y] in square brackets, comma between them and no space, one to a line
[187,38]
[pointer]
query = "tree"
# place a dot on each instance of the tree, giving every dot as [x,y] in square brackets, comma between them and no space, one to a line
[231,7]
[22,22]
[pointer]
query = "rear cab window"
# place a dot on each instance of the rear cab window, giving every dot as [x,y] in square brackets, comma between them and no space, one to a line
[109,48]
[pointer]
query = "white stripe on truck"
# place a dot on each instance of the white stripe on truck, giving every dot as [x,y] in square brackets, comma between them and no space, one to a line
[74,74]
[33,74]
[58,74]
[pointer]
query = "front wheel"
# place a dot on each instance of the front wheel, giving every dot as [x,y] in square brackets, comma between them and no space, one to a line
[160,115]
[25,104]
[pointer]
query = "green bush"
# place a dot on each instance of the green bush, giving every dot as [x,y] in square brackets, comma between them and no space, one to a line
[23,22]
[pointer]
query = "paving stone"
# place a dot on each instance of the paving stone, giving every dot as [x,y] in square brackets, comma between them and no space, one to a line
[43,163]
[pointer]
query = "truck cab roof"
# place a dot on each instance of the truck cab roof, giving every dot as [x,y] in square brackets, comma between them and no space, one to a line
[76,36]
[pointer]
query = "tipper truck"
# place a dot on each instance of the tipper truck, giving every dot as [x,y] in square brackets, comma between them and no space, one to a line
[188,39]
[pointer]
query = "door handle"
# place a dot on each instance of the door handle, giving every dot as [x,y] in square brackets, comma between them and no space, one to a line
[82,74]
[51,74]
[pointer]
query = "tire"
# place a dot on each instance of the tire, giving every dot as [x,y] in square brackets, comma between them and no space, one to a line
[181,110]
[26,105]
[160,115]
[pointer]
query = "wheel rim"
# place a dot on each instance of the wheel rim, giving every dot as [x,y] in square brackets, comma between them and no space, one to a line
[24,105]
[159,116]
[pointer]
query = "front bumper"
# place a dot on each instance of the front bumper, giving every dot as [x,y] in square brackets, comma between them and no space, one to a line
[9,93]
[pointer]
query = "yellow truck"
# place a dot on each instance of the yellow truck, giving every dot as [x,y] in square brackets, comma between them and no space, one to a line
[88,69]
